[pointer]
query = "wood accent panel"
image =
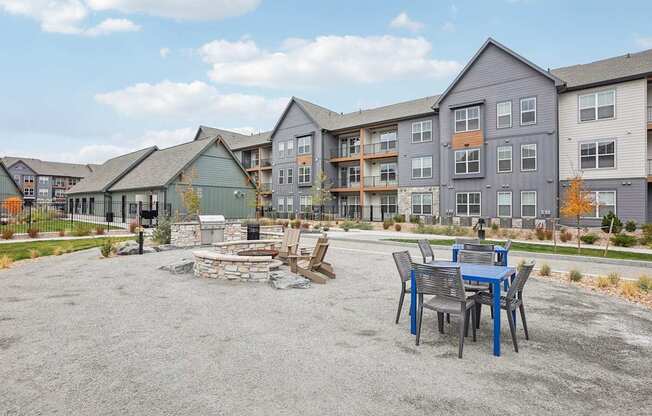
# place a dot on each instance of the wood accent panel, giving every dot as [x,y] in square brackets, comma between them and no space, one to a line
[649,126]
[304,160]
[384,155]
[467,139]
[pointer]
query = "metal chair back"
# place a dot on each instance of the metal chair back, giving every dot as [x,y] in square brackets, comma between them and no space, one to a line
[521,278]
[426,250]
[476,257]
[467,241]
[443,281]
[403,264]
[479,247]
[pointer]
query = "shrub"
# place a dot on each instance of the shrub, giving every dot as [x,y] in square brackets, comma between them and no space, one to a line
[57,251]
[399,218]
[357,225]
[494,227]
[520,265]
[630,226]
[606,222]
[397,227]
[106,249]
[541,233]
[266,222]
[81,230]
[326,228]
[34,254]
[32,232]
[305,225]
[614,278]
[284,223]
[387,224]
[295,223]
[99,230]
[544,270]
[133,226]
[414,219]
[589,238]
[5,262]
[62,233]
[548,234]
[629,289]
[575,275]
[647,234]
[623,240]
[345,226]
[7,234]
[603,282]
[645,283]
[565,235]
[163,232]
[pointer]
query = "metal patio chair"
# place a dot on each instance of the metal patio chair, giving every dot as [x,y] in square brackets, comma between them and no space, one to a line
[426,251]
[447,288]
[512,300]
[467,241]
[404,265]
[499,257]
[476,257]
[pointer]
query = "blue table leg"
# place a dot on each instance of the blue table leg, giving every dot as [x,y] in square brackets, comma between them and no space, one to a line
[413,303]
[455,255]
[496,306]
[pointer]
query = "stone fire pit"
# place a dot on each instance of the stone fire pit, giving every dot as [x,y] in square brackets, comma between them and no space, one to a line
[225,261]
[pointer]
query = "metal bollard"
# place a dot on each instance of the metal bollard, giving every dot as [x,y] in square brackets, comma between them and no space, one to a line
[140,242]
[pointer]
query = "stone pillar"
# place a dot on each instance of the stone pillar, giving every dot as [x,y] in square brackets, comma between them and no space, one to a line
[185,234]
[405,199]
[233,230]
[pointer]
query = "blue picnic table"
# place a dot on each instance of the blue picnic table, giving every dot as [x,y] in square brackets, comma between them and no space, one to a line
[494,275]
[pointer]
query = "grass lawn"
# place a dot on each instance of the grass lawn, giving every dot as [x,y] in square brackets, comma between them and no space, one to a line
[541,248]
[54,225]
[21,250]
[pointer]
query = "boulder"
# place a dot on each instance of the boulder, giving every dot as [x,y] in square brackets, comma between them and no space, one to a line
[183,266]
[283,281]
[128,248]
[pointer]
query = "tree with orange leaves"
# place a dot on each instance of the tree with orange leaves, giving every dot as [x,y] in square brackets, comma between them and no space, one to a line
[576,203]
[13,205]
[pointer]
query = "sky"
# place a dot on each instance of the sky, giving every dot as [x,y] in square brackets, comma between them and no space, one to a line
[86,80]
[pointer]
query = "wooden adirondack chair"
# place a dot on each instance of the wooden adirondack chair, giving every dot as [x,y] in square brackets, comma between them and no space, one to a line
[314,267]
[289,244]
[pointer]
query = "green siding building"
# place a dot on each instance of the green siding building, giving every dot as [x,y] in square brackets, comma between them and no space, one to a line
[8,187]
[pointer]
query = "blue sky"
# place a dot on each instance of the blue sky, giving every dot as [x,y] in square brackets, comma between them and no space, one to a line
[84,80]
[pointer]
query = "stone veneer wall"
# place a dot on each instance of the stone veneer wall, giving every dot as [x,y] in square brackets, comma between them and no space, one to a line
[232,230]
[234,247]
[185,234]
[212,265]
[405,199]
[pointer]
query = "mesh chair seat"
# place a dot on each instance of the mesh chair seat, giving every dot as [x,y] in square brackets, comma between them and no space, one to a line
[487,299]
[447,305]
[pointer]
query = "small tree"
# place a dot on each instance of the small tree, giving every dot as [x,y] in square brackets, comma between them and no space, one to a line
[190,196]
[13,205]
[577,202]
[321,191]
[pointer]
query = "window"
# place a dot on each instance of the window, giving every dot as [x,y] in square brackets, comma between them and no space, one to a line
[422,204]
[528,157]
[290,147]
[59,193]
[305,203]
[504,159]
[281,149]
[281,205]
[44,193]
[387,141]
[504,115]
[598,155]
[43,180]
[28,192]
[504,204]
[467,203]
[354,175]
[349,146]
[597,106]
[28,179]
[388,204]
[388,172]
[528,111]
[17,178]
[281,176]
[422,167]
[290,204]
[422,131]
[59,182]
[254,159]
[304,144]
[304,174]
[73,181]
[467,161]
[604,201]
[290,176]
[528,204]
[467,119]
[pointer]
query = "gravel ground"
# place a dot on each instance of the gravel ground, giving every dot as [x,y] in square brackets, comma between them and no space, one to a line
[85,336]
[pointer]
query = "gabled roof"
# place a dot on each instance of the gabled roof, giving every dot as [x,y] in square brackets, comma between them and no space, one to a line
[607,71]
[236,141]
[45,168]
[485,45]
[4,168]
[110,172]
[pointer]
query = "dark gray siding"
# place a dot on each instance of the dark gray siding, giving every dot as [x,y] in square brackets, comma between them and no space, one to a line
[408,150]
[495,77]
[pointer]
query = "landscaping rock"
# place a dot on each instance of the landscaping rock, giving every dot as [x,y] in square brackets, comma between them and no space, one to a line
[130,247]
[283,281]
[183,266]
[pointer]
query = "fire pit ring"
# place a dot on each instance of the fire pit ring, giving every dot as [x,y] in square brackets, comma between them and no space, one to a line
[259,253]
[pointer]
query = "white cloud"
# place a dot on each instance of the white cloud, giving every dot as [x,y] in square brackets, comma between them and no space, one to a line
[403,21]
[644,42]
[69,16]
[194,101]
[164,52]
[449,27]
[326,60]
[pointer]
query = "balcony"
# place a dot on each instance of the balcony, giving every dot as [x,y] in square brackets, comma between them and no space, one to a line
[344,185]
[265,187]
[380,182]
[345,153]
[265,163]
[382,149]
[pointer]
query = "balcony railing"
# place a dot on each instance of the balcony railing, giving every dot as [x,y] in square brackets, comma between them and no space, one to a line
[346,183]
[265,187]
[649,167]
[649,113]
[341,152]
[379,182]
[265,163]
[378,148]
[251,164]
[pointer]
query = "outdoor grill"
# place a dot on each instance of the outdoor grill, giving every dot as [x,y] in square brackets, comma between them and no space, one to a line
[212,228]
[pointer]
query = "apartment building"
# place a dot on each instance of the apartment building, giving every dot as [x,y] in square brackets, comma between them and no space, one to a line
[605,134]
[43,181]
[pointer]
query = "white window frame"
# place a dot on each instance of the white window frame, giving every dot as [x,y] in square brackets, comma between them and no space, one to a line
[43,180]
[289,177]
[529,123]
[466,118]
[511,159]
[301,173]
[596,196]
[28,179]
[305,201]
[419,128]
[388,169]
[281,176]
[388,206]
[289,204]
[289,148]
[280,204]
[17,178]
[511,204]
[419,196]
[595,107]
[596,156]
[536,156]
[281,149]
[28,191]
[467,161]
[498,114]
[304,145]
[468,204]
[420,161]
[535,204]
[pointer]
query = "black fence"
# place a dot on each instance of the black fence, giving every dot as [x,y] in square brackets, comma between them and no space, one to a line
[348,212]
[77,217]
